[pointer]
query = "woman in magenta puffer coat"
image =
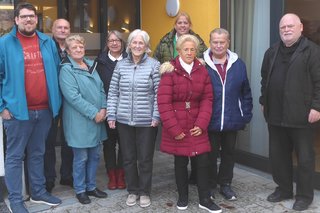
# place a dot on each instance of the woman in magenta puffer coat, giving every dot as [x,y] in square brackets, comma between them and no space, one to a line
[185,107]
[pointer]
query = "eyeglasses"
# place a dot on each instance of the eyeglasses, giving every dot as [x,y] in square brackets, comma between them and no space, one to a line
[114,41]
[24,17]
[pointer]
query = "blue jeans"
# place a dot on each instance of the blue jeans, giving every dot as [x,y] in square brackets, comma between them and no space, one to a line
[29,135]
[85,164]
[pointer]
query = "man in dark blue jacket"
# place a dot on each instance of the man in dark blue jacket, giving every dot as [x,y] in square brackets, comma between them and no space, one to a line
[290,98]
[232,108]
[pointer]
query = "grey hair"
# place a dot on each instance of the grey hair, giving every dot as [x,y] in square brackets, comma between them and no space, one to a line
[220,31]
[145,36]
[119,36]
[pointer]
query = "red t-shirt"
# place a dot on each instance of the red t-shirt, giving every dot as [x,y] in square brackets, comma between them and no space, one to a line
[34,75]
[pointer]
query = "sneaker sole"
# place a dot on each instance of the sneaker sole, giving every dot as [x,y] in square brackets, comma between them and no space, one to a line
[131,204]
[212,211]
[44,202]
[182,207]
[145,205]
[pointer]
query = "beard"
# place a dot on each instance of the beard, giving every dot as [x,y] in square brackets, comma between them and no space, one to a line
[27,32]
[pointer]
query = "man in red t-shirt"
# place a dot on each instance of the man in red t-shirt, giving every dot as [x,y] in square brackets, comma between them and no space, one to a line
[29,98]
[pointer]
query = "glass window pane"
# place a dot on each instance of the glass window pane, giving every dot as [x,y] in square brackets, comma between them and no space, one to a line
[6,16]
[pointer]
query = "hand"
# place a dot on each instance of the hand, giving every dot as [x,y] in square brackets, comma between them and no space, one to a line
[195,131]
[154,123]
[6,115]
[100,116]
[104,112]
[180,136]
[314,116]
[112,124]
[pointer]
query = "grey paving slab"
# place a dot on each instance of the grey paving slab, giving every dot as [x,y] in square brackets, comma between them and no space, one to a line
[251,186]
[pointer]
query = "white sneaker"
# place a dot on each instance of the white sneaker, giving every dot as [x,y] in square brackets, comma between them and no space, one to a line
[132,200]
[145,201]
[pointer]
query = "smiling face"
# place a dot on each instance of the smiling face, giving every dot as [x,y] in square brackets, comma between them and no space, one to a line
[290,29]
[188,52]
[76,50]
[137,46]
[114,44]
[182,26]
[219,44]
[26,21]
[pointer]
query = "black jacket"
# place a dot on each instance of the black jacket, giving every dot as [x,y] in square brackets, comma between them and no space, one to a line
[301,84]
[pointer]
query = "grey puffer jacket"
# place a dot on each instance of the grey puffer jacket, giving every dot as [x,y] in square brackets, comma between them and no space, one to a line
[132,97]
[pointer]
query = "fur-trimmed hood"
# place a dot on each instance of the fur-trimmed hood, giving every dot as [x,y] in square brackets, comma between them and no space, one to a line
[166,67]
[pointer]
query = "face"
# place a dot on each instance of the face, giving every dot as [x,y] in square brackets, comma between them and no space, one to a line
[188,52]
[182,26]
[76,50]
[114,44]
[137,46]
[27,22]
[61,29]
[290,29]
[219,44]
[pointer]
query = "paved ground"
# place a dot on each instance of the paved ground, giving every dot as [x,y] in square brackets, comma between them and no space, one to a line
[251,186]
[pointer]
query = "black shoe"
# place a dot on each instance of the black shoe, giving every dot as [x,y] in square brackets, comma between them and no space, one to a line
[277,196]
[182,204]
[67,182]
[49,186]
[83,198]
[227,192]
[210,206]
[97,193]
[301,205]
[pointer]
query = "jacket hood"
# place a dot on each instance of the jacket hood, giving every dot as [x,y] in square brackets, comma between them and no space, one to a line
[166,67]
[233,57]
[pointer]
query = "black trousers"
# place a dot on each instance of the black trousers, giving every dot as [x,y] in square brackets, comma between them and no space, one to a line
[282,142]
[112,156]
[181,174]
[223,144]
[137,146]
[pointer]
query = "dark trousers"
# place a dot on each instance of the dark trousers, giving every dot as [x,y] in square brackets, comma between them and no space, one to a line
[112,159]
[181,174]
[50,154]
[137,146]
[282,142]
[223,144]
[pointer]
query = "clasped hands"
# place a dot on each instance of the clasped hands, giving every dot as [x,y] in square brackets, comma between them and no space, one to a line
[101,116]
[195,131]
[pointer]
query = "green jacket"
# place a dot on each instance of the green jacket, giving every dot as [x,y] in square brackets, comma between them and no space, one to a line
[164,50]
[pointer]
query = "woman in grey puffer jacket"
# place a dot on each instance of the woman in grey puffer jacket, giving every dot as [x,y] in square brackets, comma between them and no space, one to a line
[132,106]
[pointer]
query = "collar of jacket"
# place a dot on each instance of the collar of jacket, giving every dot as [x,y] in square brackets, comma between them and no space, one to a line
[143,58]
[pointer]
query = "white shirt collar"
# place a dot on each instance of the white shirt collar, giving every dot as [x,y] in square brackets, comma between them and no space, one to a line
[113,58]
[187,67]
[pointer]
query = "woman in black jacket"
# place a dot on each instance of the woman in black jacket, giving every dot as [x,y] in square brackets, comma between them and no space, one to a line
[106,61]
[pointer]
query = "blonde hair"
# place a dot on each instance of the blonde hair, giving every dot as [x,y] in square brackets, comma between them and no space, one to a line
[187,37]
[185,15]
[77,38]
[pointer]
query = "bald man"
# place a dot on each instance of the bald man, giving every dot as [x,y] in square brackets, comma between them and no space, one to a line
[290,99]
[60,31]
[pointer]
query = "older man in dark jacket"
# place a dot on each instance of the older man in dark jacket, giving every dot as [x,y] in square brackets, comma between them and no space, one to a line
[290,100]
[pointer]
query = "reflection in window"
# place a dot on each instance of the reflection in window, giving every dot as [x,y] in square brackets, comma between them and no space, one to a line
[6,17]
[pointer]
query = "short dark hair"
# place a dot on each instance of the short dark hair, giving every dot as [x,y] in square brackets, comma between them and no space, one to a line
[24,5]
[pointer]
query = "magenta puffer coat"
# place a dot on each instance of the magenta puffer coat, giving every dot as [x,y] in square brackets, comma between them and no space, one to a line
[184,101]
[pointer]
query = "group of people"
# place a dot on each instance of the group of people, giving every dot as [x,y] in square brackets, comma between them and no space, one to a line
[201,96]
